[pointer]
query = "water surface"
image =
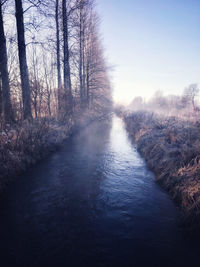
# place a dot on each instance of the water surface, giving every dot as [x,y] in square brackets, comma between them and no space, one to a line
[92,203]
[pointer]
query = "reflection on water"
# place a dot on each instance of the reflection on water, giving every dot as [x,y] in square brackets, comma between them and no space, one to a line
[93,203]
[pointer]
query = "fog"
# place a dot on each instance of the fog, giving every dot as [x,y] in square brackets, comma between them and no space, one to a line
[185,105]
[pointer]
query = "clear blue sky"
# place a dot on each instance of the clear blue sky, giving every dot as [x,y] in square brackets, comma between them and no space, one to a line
[153,44]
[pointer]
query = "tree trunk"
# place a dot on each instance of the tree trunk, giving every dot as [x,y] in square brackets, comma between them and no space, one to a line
[6,102]
[59,81]
[84,68]
[23,61]
[193,103]
[81,58]
[58,44]
[88,84]
[0,97]
[66,66]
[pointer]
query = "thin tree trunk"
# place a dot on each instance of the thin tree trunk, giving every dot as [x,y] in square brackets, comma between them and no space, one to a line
[49,103]
[81,58]
[193,104]
[58,44]
[84,68]
[6,102]
[59,97]
[88,84]
[23,61]
[48,91]
[66,67]
[35,108]
[0,97]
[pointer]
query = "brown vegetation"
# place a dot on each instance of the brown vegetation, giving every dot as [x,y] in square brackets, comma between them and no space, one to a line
[53,75]
[24,144]
[171,148]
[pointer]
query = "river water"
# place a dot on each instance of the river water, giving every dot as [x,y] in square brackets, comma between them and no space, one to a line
[92,203]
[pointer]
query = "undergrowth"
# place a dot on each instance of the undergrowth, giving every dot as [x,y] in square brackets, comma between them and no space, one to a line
[171,148]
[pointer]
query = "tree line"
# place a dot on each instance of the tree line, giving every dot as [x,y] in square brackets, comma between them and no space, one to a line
[51,59]
[184,106]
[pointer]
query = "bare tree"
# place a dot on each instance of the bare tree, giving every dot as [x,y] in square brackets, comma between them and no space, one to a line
[190,94]
[58,42]
[1,110]
[82,71]
[23,61]
[68,71]
[48,89]
[6,102]
[59,82]
[66,60]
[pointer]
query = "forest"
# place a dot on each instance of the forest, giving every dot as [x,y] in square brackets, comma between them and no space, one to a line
[53,73]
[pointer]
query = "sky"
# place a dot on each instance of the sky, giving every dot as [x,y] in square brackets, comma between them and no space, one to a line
[152,45]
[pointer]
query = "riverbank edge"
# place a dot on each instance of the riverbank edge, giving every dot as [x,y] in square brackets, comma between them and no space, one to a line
[157,144]
[40,138]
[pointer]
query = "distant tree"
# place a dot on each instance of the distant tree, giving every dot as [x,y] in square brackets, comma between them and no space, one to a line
[159,100]
[137,103]
[190,94]
[174,102]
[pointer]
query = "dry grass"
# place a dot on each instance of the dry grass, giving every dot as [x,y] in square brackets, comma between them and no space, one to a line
[26,143]
[171,148]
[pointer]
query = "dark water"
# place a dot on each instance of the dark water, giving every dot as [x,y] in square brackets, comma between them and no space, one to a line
[93,203]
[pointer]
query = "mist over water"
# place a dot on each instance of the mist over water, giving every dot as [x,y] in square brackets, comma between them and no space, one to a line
[92,203]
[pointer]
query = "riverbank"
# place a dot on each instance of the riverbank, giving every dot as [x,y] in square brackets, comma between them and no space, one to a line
[92,203]
[171,148]
[29,142]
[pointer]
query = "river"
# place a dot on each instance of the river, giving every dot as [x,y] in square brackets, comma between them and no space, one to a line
[92,203]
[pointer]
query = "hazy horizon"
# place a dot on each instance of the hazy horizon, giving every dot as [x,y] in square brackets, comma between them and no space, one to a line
[153,44]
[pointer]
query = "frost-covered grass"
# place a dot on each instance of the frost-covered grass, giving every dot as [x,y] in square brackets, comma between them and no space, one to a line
[25,143]
[28,142]
[171,148]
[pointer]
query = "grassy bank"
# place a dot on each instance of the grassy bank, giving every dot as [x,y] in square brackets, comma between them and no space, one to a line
[26,143]
[171,148]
